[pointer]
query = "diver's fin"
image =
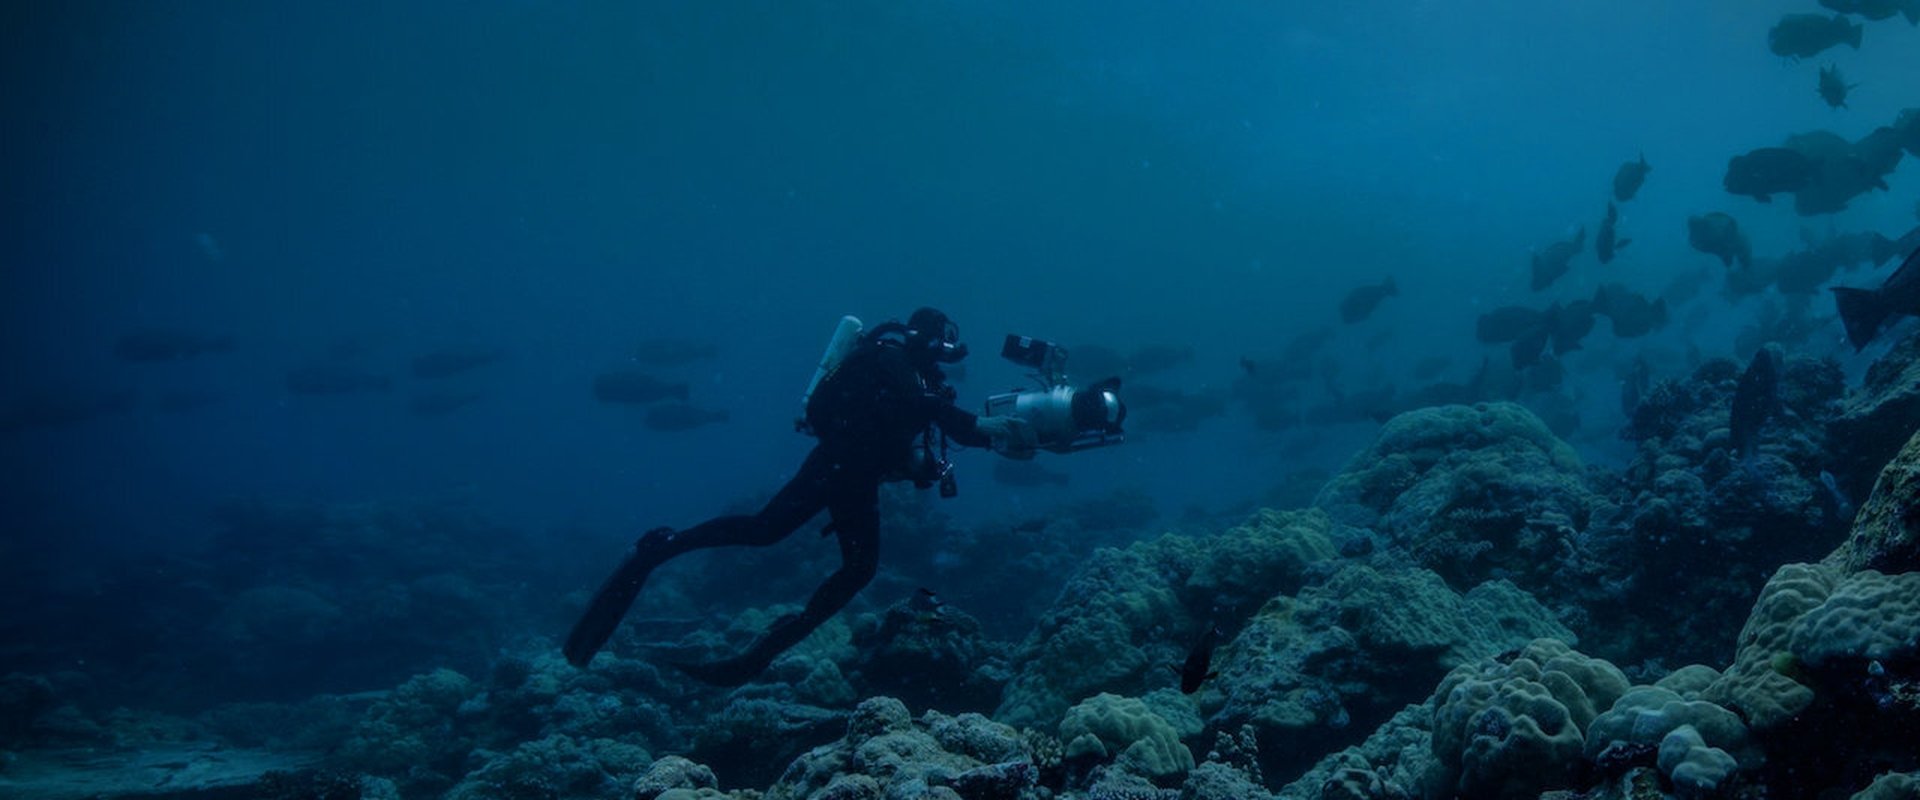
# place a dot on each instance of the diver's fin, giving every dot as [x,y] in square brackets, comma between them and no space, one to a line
[609,604]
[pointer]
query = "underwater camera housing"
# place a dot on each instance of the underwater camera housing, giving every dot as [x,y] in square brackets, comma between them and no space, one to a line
[1064,419]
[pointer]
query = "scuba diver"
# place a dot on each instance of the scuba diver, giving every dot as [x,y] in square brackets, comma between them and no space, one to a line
[874,407]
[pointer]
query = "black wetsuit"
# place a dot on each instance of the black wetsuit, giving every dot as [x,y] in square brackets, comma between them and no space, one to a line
[870,415]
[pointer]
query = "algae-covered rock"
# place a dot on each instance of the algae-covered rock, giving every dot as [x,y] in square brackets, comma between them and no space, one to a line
[1892,786]
[1878,417]
[1515,729]
[1886,533]
[1112,728]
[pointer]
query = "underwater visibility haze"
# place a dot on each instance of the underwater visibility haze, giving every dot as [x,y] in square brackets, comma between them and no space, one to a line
[1394,399]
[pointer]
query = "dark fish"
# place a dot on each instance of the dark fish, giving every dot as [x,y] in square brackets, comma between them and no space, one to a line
[1807,35]
[440,404]
[1551,263]
[162,344]
[1632,314]
[1150,359]
[1755,398]
[1508,323]
[1876,9]
[1834,88]
[329,378]
[924,601]
[1842,507]
[1628,178]
[1195,671]
[1027,474]
[633,387]
[61,408]
[453,361]
[1804,271]
[1570,323]
[1634,384]
[183,402]
[677,417]
[1428,368]
[1767,171]
[673,352]
[1607,243]
[1360,303]
[1153,408]
[1717,234]
[1863,311]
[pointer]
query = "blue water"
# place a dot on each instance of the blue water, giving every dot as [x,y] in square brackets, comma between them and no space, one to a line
[565,181]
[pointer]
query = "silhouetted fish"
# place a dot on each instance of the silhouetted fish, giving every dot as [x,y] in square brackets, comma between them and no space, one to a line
[1628,178]
[1755,398]
[164,344]
[1718,234]
[1834,88]
[1877,9]
[670,352]
[1863,311]
[454,360]
[1554,261]
[328,378]
[633,387]
[1768,171]
[1608,243]
[682,417]
[1196,670]
[1806,35]
[1360,303]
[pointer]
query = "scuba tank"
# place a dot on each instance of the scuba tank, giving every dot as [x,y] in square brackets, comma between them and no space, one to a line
[845,336]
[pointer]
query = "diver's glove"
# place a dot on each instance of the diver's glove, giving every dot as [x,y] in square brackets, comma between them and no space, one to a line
[1012,437]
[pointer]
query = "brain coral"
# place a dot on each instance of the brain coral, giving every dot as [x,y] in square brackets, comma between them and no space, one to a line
[1758,683]
[1512,730]
[1867,617]
[1111,727]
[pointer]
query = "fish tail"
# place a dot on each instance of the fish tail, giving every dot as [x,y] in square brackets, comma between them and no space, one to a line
[1861,312]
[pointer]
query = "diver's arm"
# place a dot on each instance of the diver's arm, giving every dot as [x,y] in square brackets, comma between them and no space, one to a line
[960,425]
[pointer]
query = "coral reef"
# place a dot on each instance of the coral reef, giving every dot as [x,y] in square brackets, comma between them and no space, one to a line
[1128,613]
[1877,418]
[1346,654]
[1514,728]
[885,753]
[1886,534]
[1472,492]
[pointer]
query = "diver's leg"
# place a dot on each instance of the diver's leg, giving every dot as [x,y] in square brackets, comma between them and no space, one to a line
[802,498]
[856,522]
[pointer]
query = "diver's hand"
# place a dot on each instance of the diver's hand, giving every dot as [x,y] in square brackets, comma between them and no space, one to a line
[1012,437]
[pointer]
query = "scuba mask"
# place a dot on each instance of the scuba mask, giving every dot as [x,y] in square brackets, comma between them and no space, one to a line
[932,333]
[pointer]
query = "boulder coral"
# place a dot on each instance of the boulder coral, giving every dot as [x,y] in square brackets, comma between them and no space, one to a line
[1471,492]
[1514,728]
